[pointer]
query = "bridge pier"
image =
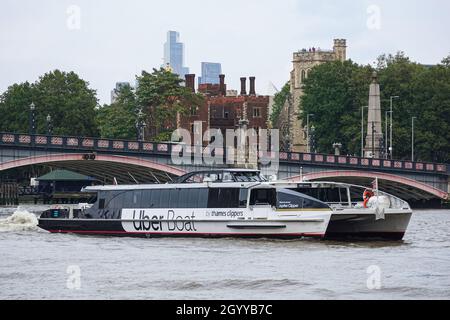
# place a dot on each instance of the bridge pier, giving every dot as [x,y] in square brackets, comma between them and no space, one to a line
[9,193]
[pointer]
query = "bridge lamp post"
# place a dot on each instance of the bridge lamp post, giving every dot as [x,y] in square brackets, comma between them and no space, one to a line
[32,118]
[386,134]
[391,144]
[49,125]
[307,132]
[362,130]
[412,138]
[140,125]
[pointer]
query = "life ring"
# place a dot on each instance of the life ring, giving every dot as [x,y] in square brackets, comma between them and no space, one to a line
[366,196]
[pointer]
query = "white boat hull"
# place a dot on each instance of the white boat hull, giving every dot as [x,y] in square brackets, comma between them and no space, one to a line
[182,223]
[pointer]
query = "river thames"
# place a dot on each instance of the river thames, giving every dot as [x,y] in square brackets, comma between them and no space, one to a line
[35,264]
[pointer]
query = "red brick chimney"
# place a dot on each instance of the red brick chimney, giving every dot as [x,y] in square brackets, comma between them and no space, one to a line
[243,87]
[252,86]
[222,88]
[190,82]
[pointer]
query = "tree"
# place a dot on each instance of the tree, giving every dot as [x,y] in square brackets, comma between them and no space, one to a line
[70,102]
[334,92]
[163,98]
[15,108]
[63,96]
[118,120]
[431,94]
[397,76]
[278,103]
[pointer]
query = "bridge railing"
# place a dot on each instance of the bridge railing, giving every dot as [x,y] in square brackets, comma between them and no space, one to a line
[86,144]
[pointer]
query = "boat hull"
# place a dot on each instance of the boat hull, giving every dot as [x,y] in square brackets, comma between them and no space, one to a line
[196,229]
[366,226]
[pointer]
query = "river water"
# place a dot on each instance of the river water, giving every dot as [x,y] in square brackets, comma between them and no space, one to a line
[35,264]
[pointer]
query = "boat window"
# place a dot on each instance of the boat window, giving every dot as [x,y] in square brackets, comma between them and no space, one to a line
[137,199]
[156,197]
[126,200]
[195,178]
[248,177]
[227,177]
[223,198]
[329,195]
[174,196]
[164,199]
[183,199]
[202,198]
[263,197]
[289,199]
[212,177]
[243,195]
[101,204]
[92,198]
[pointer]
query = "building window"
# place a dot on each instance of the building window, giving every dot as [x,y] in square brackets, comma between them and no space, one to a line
[256,112]
[303,77]
[194,110]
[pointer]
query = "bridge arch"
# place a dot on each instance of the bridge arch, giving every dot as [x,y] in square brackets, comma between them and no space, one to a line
[104,167]
[403,187]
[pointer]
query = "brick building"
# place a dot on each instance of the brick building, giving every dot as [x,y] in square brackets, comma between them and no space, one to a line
[222,111]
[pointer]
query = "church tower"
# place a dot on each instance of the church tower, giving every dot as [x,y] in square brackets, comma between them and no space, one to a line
[340,49]
[290,124]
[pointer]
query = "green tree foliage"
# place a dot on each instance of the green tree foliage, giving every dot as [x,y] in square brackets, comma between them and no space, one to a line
[63,96]
[118,120]
[278,104]
[15,108]
[162,96]
[432,109]
[335,93]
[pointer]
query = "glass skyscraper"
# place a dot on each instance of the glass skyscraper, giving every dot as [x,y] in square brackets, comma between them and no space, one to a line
[174,54]
[210,73]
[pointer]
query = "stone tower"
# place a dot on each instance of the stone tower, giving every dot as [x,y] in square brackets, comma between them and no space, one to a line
[374,148]
[303,62]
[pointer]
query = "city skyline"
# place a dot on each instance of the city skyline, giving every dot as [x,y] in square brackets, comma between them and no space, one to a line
[174,54]
[210,73]
[108,42]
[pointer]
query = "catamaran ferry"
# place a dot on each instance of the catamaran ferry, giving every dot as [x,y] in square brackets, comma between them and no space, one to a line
[230,203]
[201,204]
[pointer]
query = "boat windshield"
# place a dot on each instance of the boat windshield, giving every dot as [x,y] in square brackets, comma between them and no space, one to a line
[221,176]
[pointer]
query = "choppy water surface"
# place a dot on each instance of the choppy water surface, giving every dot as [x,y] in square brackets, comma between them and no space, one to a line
[35,264]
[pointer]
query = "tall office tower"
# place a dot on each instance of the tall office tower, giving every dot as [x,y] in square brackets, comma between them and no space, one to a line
[210,73]
[174,54]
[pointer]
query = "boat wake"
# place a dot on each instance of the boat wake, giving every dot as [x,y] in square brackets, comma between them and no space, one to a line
[20,220]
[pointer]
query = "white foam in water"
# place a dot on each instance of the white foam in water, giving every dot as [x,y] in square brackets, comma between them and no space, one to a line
[20,220]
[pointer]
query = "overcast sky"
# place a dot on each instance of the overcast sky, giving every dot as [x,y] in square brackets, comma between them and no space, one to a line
[107,41]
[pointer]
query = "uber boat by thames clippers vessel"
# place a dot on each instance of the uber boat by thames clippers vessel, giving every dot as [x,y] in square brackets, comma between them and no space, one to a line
[225,203]
[233,203]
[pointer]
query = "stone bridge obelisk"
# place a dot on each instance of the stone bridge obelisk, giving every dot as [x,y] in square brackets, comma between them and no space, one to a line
[374,148]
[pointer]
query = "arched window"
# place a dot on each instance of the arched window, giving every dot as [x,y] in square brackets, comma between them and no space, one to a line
[303,76]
